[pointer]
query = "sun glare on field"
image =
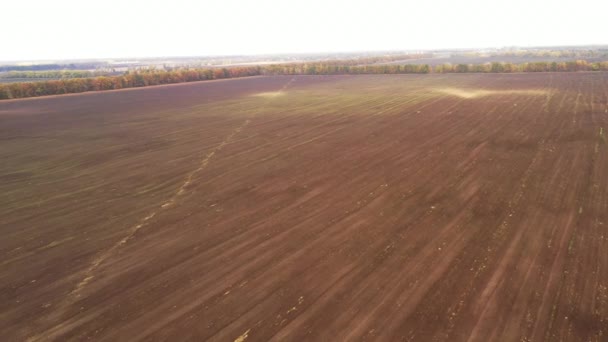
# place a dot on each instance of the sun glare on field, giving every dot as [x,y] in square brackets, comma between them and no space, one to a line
[476,93]
[270,94]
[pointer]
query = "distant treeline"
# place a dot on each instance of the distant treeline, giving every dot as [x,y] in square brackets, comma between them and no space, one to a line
[561,53]
[47,67]
[579,65]
[53,74]
[149,77]
[131,79]
[332,68]
[375,59]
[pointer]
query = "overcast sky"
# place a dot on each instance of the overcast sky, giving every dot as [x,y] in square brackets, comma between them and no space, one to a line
[64,29]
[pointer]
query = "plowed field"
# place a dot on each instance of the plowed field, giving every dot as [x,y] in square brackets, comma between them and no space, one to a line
[327,208]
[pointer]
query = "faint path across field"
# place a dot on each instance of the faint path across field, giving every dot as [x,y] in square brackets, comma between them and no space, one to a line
[89,274]
[376,207]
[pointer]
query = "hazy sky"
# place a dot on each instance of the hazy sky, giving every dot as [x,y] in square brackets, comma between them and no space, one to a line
[60,29]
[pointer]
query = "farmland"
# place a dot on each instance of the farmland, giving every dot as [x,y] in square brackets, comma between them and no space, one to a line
[445,207]
[438,60]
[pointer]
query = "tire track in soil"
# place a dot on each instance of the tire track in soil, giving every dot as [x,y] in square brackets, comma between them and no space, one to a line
[349,276]
[89,273]
[259,256]
[300,272]
[489,293]
[260,251]
[166,204]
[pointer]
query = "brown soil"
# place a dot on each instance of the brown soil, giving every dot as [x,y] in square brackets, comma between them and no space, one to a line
[348,208]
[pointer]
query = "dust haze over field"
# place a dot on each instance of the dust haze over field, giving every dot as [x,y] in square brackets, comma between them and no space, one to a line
[402,207]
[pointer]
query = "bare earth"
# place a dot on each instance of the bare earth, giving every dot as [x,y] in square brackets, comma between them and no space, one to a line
[327,208]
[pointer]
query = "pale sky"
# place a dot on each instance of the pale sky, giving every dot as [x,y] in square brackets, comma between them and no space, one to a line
[67,29]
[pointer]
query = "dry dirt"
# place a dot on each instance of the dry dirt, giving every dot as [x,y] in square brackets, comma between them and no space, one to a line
[348,208]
